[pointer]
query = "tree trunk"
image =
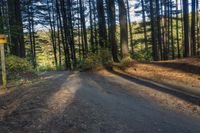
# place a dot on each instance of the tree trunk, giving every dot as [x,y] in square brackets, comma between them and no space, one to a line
[159,27]
[193,30]
[17,46]
[91,28]
[186,28]
[83,25]
[130,26]
[153,39]
[101,24]
[112,29]
[144,25]
[123,29]
[177,31]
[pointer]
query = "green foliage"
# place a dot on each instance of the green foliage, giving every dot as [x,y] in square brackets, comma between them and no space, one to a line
[126,62]
[19,69]
[46,68]
[44,50]
[16,64]
[60,68]
[96,60]
[105,57]
[91,62]
[142,55]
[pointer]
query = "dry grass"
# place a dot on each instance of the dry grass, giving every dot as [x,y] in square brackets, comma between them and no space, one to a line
[176,72]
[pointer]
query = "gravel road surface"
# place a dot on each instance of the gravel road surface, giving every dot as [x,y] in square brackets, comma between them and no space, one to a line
[85,102]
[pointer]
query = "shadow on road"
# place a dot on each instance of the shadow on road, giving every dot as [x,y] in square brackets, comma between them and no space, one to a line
[186,97]
[82,102]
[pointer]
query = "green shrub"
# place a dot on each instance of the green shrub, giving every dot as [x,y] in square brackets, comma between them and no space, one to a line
[46,68]
[16,64]
[105,57]
[60,68]
[96,60]
[126,62]
[92,61]
[142,55]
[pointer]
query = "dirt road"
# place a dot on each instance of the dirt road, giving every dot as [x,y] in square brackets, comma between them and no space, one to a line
[74,102]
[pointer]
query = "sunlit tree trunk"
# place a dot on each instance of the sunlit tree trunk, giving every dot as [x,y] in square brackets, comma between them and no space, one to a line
[123,29]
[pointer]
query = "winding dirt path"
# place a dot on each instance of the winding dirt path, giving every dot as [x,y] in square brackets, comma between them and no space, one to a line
[74,102]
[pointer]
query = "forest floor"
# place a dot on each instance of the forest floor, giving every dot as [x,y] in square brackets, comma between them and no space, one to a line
[93,102]
[183,74]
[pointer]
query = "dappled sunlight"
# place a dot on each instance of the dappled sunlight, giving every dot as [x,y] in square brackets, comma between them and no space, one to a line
[84,101]
[73,82]
[105,73]
[46,101]
[92,66]
[177,73]
[161,92]
[47,77]
[64,96]
[61,99]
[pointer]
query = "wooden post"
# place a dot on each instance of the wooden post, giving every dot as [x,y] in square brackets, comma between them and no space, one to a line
[3,41]
[3,66]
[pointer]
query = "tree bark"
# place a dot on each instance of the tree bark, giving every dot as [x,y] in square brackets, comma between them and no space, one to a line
[112,29]
[123,29]
[186,28]
[101,23]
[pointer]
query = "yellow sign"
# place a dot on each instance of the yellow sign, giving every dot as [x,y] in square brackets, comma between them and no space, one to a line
[3,39]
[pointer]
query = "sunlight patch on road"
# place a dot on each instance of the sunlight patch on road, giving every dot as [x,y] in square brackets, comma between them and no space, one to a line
[61,100]
[52,76]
